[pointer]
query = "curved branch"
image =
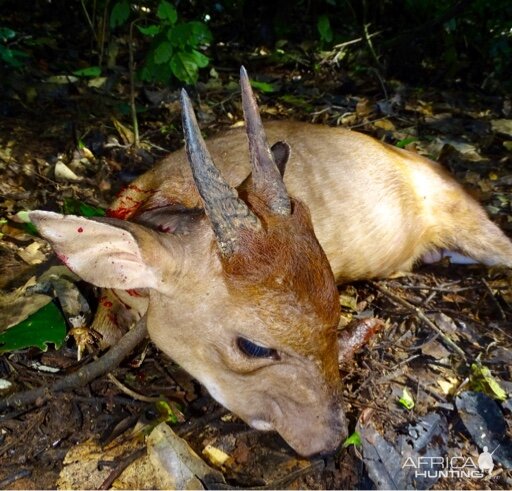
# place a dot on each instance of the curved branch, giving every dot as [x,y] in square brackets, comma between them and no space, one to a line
[110,360]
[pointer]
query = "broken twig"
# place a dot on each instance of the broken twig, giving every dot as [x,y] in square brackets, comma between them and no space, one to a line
[84,375]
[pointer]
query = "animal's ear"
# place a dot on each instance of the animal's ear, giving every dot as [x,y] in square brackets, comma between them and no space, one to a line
[281,152]
[105,252]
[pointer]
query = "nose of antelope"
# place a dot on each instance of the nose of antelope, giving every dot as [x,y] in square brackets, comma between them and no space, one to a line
[315,430]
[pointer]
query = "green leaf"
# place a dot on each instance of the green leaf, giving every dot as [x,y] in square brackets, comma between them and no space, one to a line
[184,67]
[163,52]
[324,28]
[406,400]
[166,412]
[150,31]
[298,101]
[200,32]
[166,11]
[22,215]
[13,57]
[354,439]
[406,141]
[451,25]
[75,207]
[152,72]
[46,326]
[120,13]
[178,35]
[6,34]
[200,59]
[189,34]
[31,229]
[91,72]
[264,86]
[482,380]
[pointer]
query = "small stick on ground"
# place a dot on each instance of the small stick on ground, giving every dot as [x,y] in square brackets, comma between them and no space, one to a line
[495,301]
[200,422]
[281,483]
[130,392]
[121,465]
[37,421]
[421,315]
[84,375]
[20,474]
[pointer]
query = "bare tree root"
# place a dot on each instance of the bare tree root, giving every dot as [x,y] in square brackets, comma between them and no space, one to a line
[84,375]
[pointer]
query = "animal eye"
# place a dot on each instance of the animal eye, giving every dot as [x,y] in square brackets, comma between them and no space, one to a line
[253,350]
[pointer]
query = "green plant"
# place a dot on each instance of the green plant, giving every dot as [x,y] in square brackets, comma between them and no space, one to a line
[175,44]
[41,328]
[324,28]
[12,57]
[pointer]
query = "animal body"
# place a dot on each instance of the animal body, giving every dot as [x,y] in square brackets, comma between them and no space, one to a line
[237,268]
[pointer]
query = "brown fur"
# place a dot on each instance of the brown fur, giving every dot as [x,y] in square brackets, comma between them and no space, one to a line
[270,260]
[284,275]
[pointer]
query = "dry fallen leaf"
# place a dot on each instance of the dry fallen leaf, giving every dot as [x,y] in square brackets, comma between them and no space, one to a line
[127,136]
[448,385]
[16,306]
[176,463]
[384,124]
[31,254]
[64,173]
[503,126]
[81,469]
[215,455]
[436,350]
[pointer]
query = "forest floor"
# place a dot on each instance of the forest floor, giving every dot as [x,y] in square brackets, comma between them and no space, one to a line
[445,331]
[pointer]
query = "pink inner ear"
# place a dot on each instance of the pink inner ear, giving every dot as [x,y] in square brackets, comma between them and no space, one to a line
[101,253]
[170,219]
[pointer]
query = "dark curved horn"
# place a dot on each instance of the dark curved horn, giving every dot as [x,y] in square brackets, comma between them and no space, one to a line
[267,179]
[226,212]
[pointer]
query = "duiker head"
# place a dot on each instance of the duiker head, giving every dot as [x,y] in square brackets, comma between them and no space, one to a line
[243,299]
